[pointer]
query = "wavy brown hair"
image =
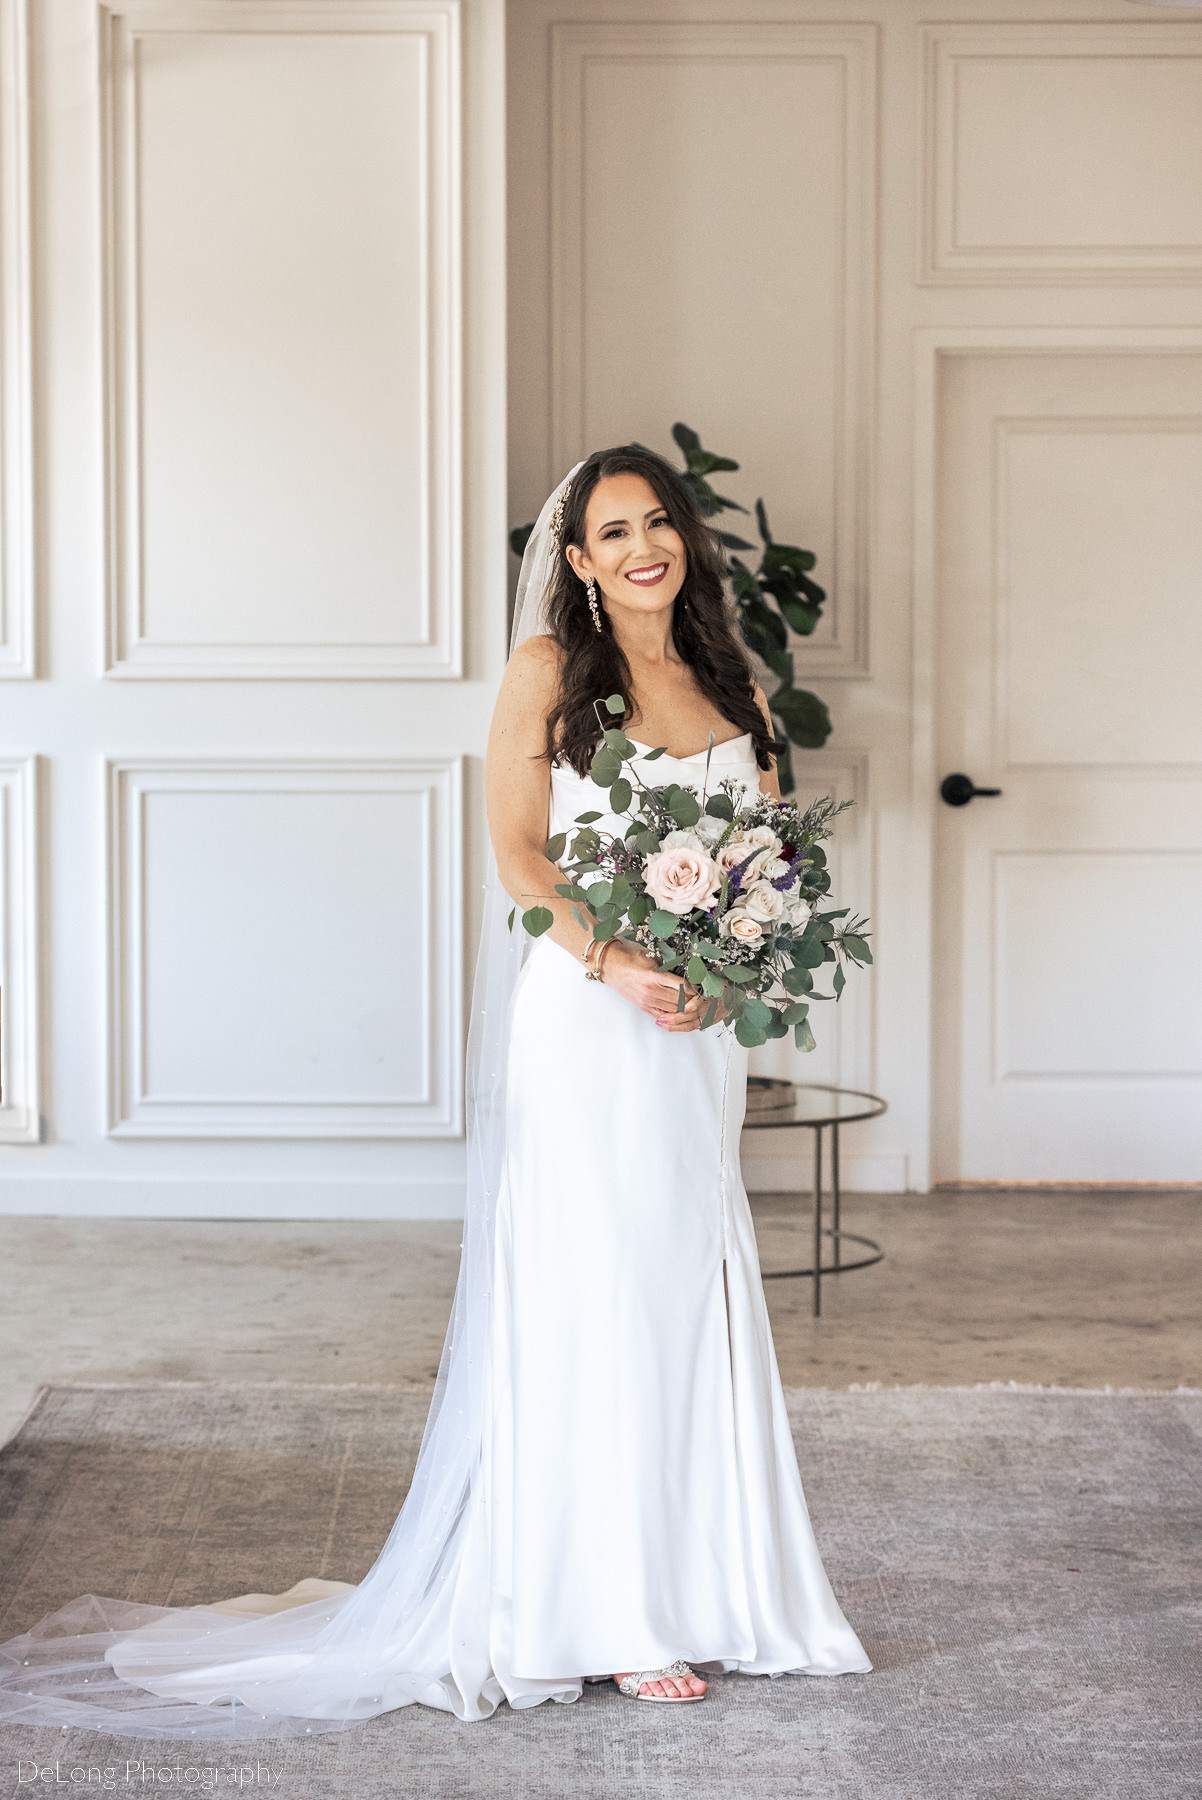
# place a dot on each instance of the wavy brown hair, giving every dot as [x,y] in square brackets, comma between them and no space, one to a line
[593,663]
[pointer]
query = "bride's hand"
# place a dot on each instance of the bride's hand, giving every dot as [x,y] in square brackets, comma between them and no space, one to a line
[639,979]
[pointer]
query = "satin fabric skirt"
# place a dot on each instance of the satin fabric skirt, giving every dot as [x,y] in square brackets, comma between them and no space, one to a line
[646,1502]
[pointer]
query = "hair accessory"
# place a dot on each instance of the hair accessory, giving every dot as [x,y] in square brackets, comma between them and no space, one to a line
[557,515]
[591,585]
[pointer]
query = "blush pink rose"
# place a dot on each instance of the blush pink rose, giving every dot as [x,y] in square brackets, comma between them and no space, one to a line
[739,849]
[682,878]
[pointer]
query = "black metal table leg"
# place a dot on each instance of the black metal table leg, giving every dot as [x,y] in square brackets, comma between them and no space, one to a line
[836,1221]
[817,1221]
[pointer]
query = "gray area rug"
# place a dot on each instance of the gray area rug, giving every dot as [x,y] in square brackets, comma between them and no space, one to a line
[1022,1566]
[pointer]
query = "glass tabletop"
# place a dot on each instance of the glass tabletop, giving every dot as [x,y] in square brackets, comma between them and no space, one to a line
[773,1104]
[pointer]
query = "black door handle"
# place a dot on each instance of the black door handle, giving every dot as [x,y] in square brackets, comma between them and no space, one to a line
[958,790]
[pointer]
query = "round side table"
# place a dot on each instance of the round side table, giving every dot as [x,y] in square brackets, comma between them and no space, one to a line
[773,1105]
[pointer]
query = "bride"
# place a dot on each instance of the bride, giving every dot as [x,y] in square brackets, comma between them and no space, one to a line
[607,1486]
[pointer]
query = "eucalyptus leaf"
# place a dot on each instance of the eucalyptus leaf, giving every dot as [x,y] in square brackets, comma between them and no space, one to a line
[639,909]
[751,1036]
[741,973]
[587,818]
[838,981]
[803,1037]
[719,806]
[606,766]
[513,912]
[556,846]
[683,806]
[616,703]
[620,795]
[654,755]
[711,984]
[538,920]
[855,946]
[757,1010]
[776,1027]
[663,924]
[697,971]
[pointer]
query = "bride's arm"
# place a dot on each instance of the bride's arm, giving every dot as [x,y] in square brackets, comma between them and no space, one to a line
[769,779]
[518,789]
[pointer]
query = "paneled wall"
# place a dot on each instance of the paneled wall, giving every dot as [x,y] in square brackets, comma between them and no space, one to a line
[257,631]
[783,225]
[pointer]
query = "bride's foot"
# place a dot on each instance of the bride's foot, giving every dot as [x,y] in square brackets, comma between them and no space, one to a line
[670,1687]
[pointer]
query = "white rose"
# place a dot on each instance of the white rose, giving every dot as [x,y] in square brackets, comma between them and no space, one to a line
[800,911]
[764,838]
[739,924]
[763,901]
[709,829]
[683,840]
[773,868]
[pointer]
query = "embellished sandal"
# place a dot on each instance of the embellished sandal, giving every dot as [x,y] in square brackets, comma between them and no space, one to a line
[630,1685]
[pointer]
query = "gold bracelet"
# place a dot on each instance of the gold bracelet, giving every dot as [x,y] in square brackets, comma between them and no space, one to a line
[587,952]
[595,973]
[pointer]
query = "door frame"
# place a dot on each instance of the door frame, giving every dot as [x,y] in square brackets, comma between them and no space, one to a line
[932,344]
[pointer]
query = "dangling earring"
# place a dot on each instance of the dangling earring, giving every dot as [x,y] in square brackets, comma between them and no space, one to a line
[591,585]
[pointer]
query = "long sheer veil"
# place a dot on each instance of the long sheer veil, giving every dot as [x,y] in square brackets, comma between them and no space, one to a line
[349,1655]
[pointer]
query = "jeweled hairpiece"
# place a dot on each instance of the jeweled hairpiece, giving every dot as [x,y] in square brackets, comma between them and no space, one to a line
[557,511]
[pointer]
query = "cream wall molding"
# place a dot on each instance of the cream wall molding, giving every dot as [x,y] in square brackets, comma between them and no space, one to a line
[152,990]
[853,50]
[17,619]
[20,969]
[986,163]
[432,649]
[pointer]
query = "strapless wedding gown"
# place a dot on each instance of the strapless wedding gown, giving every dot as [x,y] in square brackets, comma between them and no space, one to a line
[639,1497]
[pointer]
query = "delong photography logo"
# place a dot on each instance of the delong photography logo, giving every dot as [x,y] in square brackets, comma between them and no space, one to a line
[108,1777]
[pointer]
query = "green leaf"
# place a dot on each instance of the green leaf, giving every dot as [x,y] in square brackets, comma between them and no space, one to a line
[803,1037]
[584,923]
[800,615]
[663,924]
[556,846]
[606,766]
[807,951]
[795,1012]
[741,973]
[619,795]
[776,1027]
[732,542]
[682,998]
[538,920]
[686,438]
[654,755]
[683,806]
[712,984]
[803,715]
[588,818]
[615,704]
[719,806]
[639,909]
[797,981]
[606,927]
[751,1036]
[709,1015]
[512,914]
[855,946]
[697,971]
[621,893]
[787,557]
[756,1010]
[838,981]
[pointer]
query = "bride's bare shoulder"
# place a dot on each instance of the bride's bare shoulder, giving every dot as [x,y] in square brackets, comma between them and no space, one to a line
[532,673]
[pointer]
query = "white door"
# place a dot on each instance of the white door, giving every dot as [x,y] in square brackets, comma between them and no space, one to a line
[1067,942]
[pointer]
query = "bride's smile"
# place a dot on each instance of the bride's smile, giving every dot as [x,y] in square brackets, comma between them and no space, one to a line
[631,547]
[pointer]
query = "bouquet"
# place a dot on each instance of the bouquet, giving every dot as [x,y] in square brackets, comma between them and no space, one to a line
[725,887]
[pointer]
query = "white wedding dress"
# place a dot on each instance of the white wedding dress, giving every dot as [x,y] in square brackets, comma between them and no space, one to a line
[628,1493]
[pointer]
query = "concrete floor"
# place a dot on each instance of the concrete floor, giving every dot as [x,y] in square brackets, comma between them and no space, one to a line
[1067,1289]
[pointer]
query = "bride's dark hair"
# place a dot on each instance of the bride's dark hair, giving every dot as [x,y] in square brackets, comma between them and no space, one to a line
[593,663]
